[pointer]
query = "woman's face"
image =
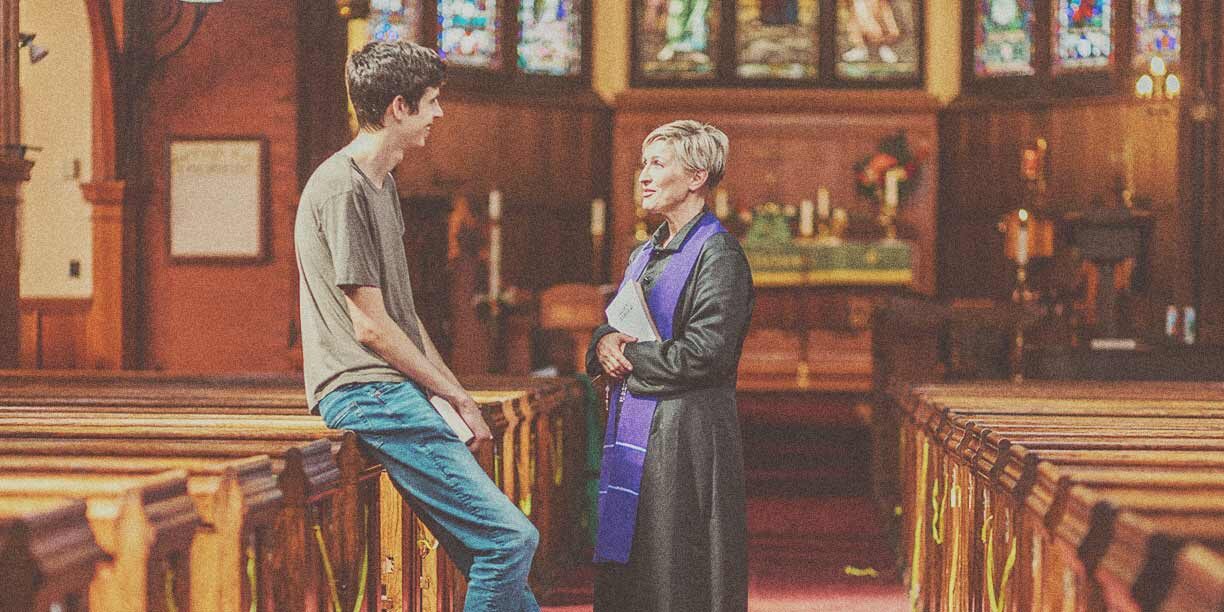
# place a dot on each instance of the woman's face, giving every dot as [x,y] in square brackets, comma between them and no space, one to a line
[666,183]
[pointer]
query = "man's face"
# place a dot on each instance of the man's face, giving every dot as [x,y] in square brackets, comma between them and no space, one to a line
[665,181]
[415,126]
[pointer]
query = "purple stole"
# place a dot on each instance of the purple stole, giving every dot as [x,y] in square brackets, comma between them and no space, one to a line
[629,415]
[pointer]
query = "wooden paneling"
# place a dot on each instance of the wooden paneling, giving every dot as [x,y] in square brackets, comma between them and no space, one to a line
[980,181]
[549,159]
[1208,92]
[53,332]
[224,317]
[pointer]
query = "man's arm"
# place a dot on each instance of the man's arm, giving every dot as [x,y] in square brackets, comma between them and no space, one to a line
[431,353]
[375,330]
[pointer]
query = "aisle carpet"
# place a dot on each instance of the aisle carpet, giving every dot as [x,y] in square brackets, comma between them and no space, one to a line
[799,552]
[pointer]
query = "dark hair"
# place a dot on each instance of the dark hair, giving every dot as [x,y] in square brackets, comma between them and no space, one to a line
[382,70]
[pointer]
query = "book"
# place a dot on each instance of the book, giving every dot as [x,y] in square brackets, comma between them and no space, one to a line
[629,314]
[452,418]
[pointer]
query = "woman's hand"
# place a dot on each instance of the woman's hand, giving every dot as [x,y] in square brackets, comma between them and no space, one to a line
[611,354]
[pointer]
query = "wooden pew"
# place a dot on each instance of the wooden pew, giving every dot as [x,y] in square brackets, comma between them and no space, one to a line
[351,513]
[144,523]
[356,506]
[990,473]
[235,499]
[306,478]
[557,409]
[47,555]
[530,446]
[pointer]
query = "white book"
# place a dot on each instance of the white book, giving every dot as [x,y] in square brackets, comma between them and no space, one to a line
[452,418]
[629,314]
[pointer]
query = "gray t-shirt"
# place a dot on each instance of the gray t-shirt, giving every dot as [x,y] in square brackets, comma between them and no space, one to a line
[348,232]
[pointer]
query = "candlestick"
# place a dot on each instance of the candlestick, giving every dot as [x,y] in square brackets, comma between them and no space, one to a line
[822,204]
[1022,239]
[722,206]
[806,227]
[598,209]
[1029,164]
[495,205]
[1128,167]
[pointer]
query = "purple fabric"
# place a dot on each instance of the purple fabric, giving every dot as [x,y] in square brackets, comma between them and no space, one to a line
[628,432]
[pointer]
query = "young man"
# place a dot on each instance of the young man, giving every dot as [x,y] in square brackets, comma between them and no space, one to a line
[370,365]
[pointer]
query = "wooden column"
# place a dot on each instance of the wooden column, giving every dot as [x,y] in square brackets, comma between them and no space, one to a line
[104,328]
[1202,161]
[13,172]
[108,341]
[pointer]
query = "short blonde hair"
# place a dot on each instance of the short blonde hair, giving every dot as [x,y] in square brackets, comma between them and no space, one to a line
[699,146]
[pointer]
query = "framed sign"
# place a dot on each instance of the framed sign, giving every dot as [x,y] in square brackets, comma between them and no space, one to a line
[217,209]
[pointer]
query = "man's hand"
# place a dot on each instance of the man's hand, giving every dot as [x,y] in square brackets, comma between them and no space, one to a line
[611,354]
[469,411]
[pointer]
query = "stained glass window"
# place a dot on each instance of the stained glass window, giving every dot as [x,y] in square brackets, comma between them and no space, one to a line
[877,40]
[678,39]
[778,39]
[1157,31]
[1003,38]
[1083,38]
[392,20]
[468,32]
[550,37]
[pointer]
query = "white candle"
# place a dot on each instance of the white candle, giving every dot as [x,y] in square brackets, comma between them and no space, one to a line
[495,205]
[722,206]
[890,187]
[806,225]
[1022,239]
[637,193]
[495,261]
[598,209]
[822,203]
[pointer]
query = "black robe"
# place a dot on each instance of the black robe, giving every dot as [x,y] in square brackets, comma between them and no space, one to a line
[690,544]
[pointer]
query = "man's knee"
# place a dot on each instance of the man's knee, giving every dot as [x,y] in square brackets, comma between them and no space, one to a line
[521,539]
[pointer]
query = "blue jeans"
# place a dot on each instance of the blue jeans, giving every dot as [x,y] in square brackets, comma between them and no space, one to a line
[487,537]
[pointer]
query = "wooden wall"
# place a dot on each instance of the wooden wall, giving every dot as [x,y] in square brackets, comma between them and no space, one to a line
[981,143]
[53,332]
[238,77]
[545,152]
[1206,177]
[785,145]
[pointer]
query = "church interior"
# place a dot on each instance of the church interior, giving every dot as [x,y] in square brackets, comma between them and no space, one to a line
[984,363]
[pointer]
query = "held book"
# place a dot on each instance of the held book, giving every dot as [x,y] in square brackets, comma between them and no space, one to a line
[629,314]
[452,418]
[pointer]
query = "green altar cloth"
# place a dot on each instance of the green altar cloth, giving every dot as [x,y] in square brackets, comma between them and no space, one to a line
[812,263]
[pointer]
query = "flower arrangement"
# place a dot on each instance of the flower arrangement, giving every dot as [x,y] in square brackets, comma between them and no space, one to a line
[872,171]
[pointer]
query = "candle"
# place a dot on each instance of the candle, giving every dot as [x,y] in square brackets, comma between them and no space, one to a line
[890,187]
[598,208]
[1022,239]
[495,205]
[637,193]
[495,261]
[721,205]
[806,227]
[822,203]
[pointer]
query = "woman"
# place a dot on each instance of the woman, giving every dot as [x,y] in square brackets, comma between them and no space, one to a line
[672,525]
